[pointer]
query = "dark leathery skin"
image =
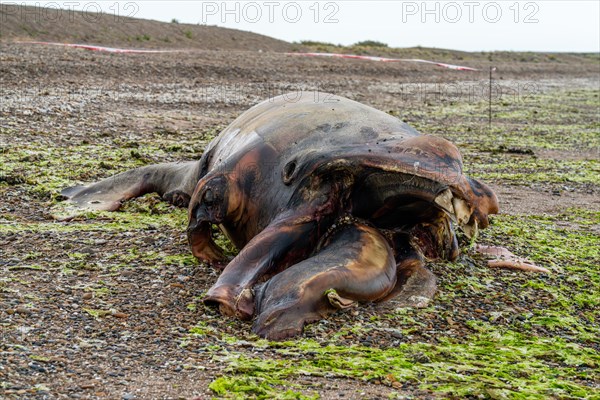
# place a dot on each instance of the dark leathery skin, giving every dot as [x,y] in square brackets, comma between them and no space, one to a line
[280,176]
[356,261]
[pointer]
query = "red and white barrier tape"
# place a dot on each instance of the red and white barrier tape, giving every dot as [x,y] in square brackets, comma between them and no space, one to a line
[336,55]
[383,59]
[101,48]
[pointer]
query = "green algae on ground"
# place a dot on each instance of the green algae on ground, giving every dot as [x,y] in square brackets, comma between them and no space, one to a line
[551,352]
[45,169]
[562,249]
[536,121]
[257,388]
[522,169]
[496,363]
[127,219]
[491,363]
[573,256]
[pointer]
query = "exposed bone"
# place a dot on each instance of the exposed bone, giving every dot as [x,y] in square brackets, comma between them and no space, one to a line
[505,259]
[461,210]
[471,230]
[518,265]
[444,200]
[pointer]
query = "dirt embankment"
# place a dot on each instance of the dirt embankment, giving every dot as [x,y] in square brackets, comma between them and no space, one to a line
[54,25]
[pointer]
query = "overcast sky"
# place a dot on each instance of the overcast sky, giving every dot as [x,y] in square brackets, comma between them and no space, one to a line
[548,25]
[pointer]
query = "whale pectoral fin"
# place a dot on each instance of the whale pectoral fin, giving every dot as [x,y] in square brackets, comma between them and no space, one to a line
[355,265]
[501,257]
[173,181]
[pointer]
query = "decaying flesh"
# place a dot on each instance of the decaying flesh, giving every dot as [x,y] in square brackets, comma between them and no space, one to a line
[330,202]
